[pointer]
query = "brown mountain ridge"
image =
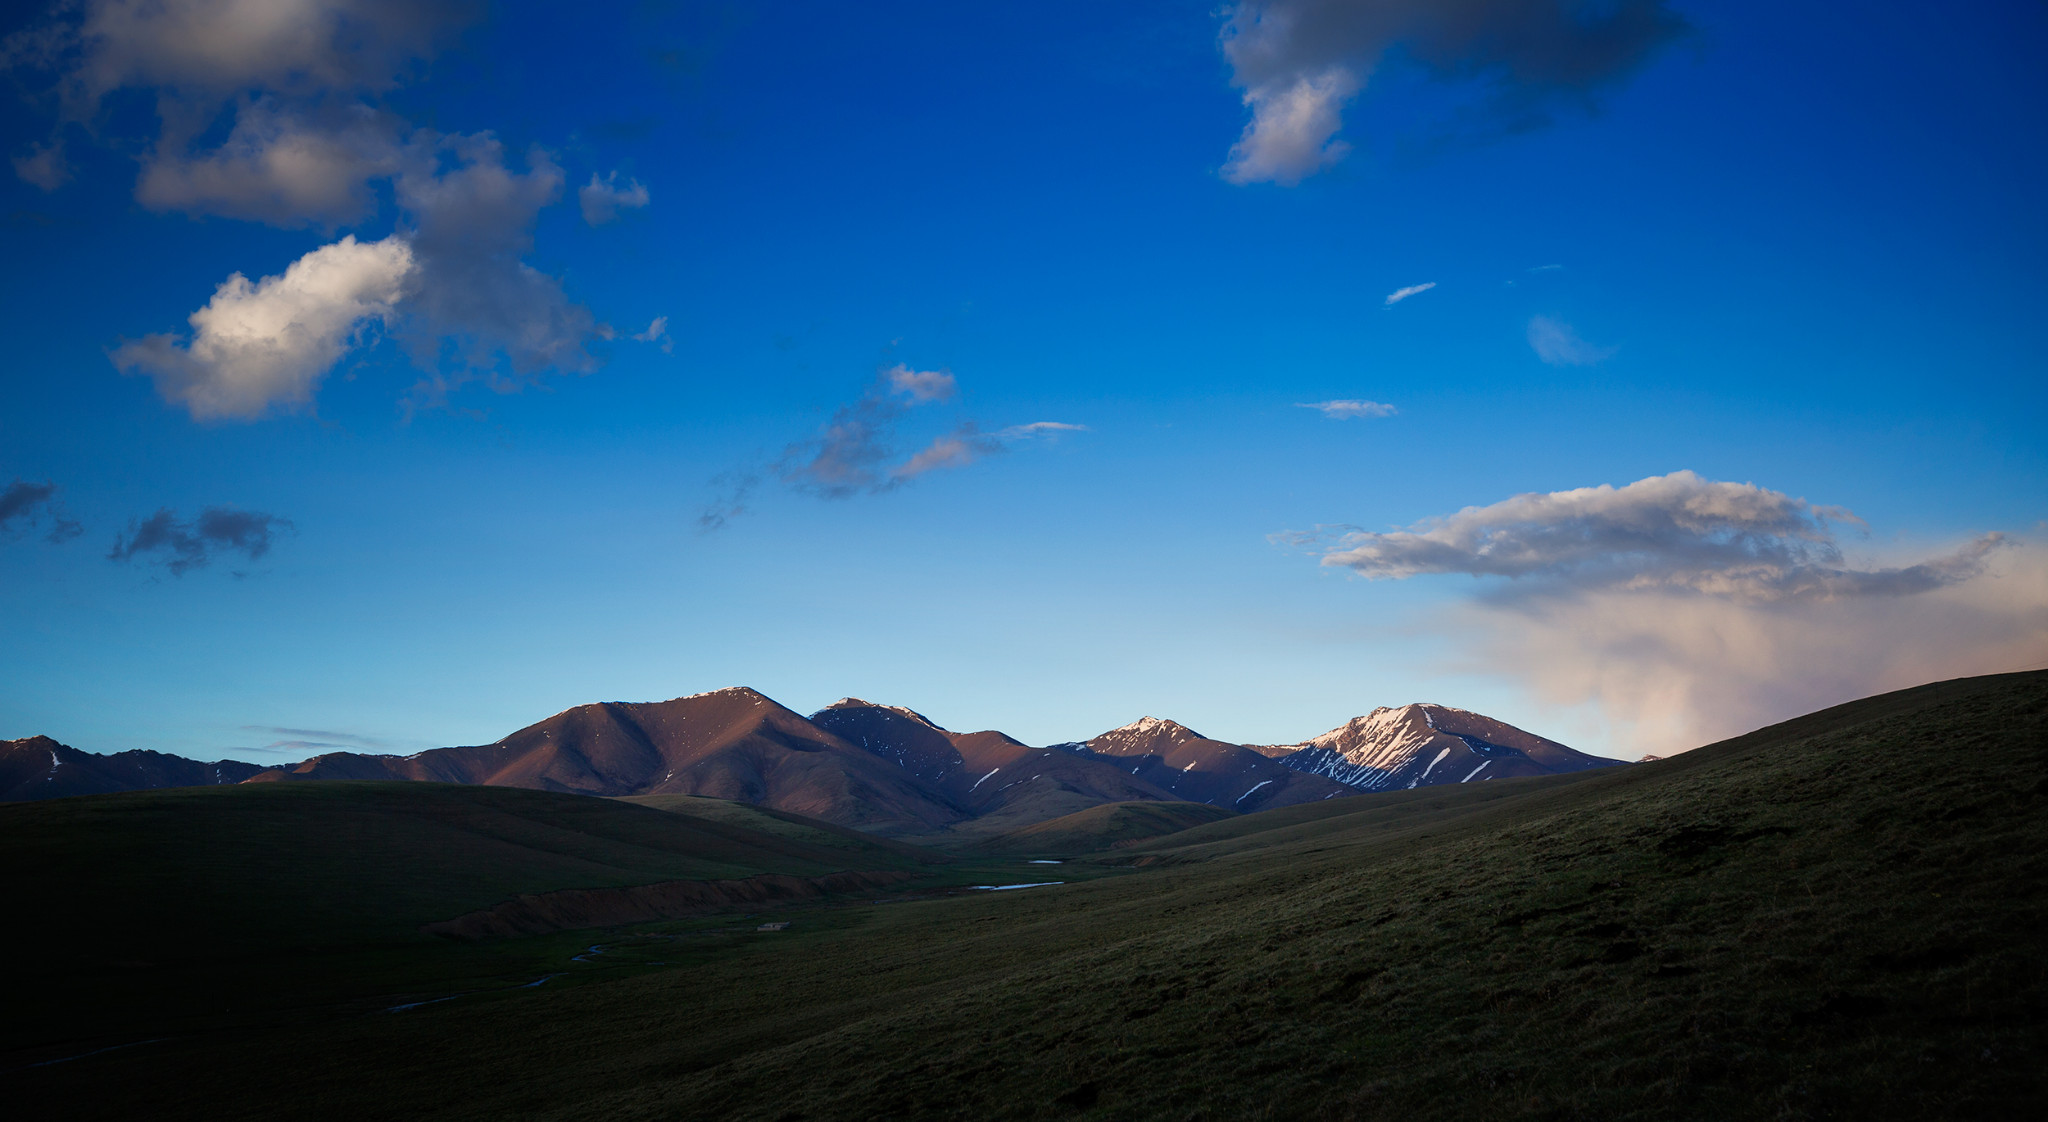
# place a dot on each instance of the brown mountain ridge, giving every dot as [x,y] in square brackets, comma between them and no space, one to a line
[880,769]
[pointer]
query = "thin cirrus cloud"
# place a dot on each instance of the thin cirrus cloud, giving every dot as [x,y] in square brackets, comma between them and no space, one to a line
[856,453]
[1683,609]
[297,738]
[1299,62]
[28,504]
[181,546]
[298,86]
[1350,408]
[1401,294]
[1558,343]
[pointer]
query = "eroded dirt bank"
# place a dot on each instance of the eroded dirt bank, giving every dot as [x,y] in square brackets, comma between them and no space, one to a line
[573,908]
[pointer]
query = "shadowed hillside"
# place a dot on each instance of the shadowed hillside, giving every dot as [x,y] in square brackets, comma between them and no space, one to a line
[1104,827]
[1834,917]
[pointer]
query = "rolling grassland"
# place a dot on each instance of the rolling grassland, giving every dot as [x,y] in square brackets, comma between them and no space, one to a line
[1835,917]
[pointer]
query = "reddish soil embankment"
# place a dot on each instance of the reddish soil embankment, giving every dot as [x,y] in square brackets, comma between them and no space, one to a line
[572,908]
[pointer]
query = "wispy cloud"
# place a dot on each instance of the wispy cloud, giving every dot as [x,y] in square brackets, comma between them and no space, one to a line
[603,199]
[28,504]
[316,739]
[1401,294]
[956,449]
[1558,344]
[180,545]
[1342,409]
[1039,428]
[657,332]
[856,451]
[1299,62]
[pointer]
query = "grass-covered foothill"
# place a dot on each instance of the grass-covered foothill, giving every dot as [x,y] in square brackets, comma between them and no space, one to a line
[1839,917]
[1107,827]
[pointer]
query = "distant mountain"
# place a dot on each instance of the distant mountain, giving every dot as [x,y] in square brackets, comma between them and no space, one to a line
[995,780]
[41,768]
[1427,745]
[1197,769]
[883,769]
[728,744]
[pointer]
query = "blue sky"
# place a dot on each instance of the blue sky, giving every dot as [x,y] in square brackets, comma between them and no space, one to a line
[1793,251]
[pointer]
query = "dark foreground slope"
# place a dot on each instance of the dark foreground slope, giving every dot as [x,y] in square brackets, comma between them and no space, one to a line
[1834,918]
[200,894]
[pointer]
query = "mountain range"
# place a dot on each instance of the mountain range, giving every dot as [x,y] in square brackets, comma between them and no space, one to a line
[878,768]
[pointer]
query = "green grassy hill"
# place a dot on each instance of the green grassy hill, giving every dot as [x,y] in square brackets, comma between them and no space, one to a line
[1836,917]
[1105,827]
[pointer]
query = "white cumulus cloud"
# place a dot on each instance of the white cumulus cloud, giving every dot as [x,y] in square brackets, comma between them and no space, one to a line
[1735,540]
[278,166]
[1300,61]
[1681,610]
[1293,126]
[263,346]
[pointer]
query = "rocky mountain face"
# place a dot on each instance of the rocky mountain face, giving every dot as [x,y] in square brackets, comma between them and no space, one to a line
[728,744]
[40,768]
[995,780]
[880,768]
[1425,745]
[1197,769]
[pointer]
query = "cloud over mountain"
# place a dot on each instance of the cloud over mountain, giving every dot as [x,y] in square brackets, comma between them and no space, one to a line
[1300,61]
[1686,609]
[1735,540]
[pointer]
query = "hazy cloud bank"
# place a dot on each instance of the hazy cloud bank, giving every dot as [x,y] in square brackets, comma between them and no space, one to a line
[1685,610]
[1299,62]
